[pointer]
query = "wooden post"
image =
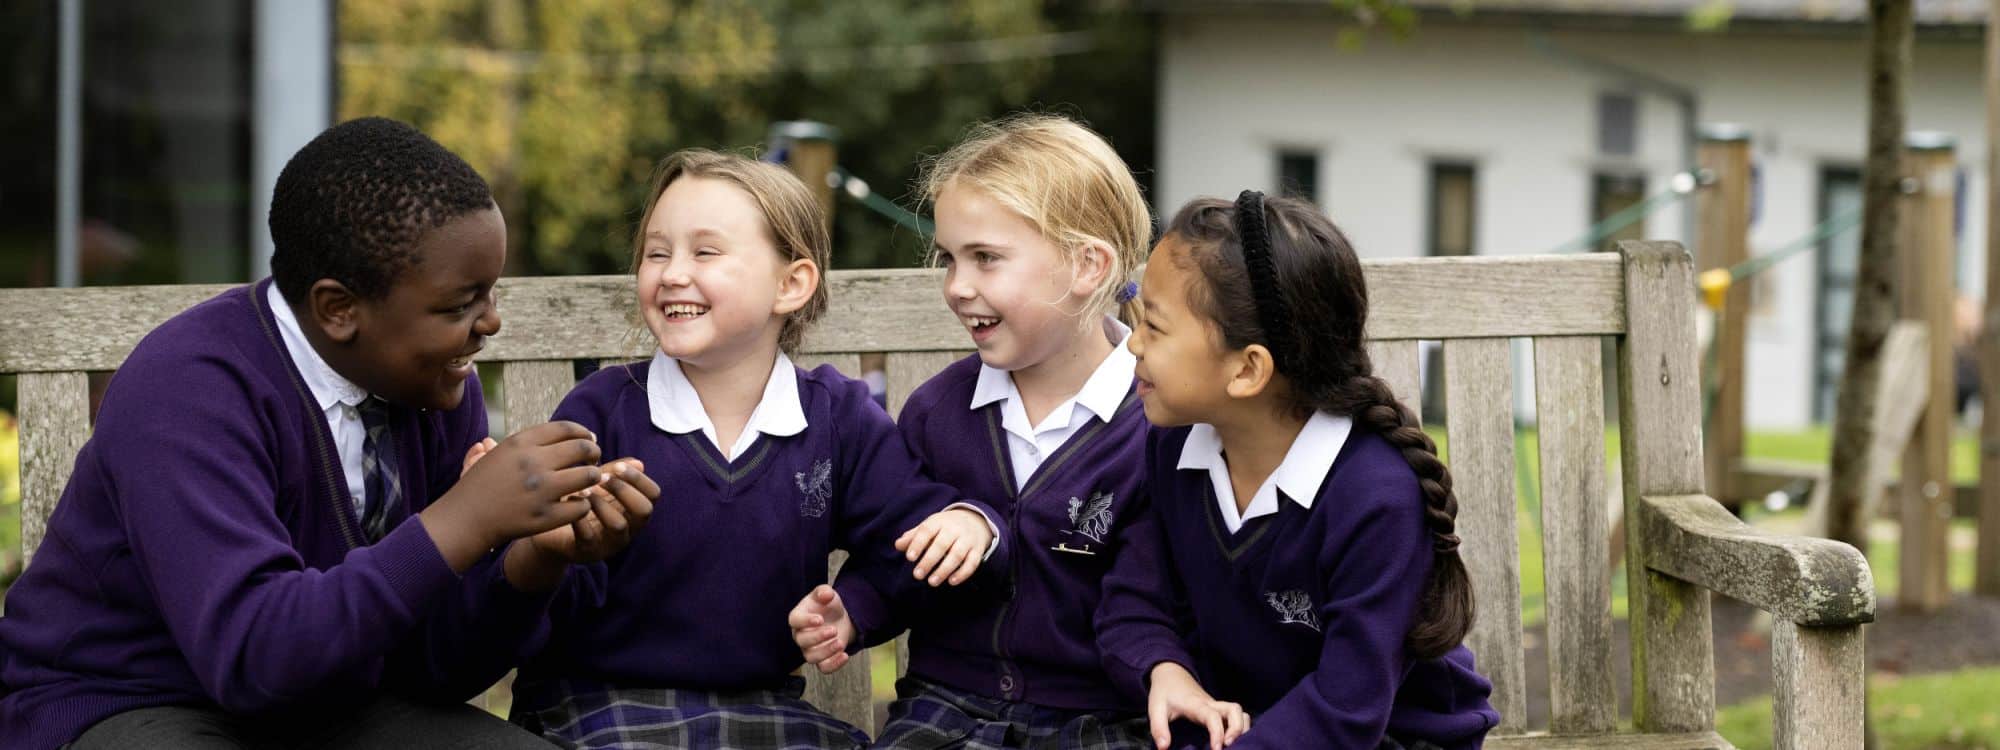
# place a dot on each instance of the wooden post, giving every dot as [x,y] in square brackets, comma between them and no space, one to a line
[1925,292]
[809,152]
[1659,404]
[1724,209]
[1987,582]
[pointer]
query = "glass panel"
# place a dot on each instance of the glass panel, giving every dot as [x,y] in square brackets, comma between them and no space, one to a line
[1298,174]
[166,141]
[1452,209]
[1611,193]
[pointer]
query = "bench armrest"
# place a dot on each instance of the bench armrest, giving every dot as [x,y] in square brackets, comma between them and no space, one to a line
[1809,581]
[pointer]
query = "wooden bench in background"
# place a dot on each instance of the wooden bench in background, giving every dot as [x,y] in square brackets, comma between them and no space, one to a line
[1682,545]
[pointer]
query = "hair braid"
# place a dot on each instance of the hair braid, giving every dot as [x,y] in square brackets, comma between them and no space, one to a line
[1445,614]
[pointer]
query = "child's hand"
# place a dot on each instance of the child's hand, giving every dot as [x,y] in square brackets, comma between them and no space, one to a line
[476,452]
[955,537]
[1176,695]
[618,509]
[517,488]
[821,628]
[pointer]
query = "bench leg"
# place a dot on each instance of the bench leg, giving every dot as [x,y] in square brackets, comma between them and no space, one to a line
[1821,690]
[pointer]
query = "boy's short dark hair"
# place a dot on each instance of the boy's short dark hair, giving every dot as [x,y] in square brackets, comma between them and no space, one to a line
[350,205]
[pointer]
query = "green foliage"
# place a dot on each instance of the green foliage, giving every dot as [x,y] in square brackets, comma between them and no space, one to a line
[1712,15]
[565,107]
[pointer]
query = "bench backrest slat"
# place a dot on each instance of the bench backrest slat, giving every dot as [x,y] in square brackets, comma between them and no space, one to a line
[1569,409]
[1479,429]
[55,422]
[531,390]
[1399,362]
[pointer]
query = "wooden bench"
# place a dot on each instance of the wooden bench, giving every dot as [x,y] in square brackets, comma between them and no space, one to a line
[1681,544]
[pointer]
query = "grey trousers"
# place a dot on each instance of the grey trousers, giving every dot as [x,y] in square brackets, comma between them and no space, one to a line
[386,722]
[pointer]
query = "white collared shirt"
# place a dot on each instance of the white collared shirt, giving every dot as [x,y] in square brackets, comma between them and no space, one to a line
[1030,445]
[1299,475]
[676,408]
[336,396]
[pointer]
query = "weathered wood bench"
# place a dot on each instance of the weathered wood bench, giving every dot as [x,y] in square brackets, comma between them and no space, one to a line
[1681,544]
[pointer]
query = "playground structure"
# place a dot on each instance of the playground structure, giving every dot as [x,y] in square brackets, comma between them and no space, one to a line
[1915,416]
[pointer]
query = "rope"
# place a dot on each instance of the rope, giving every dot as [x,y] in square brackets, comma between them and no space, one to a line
[854,187]
[1715,282]
[1679,186]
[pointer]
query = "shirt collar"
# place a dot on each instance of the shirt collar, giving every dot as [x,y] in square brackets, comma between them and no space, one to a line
[1299,475]
[1102,393]
[676,408]
[328,387]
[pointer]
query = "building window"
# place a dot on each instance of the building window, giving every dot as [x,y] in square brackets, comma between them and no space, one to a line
[1610,194]
[1617,124]
[1453,206]
[1298,174]
[1839,258]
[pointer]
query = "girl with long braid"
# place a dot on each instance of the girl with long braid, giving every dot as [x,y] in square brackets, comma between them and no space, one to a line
[1310,522]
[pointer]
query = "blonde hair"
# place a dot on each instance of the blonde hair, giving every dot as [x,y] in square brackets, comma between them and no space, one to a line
[1064,179]
[791,212]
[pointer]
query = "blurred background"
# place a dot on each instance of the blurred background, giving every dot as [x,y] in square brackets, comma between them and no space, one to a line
[140,141]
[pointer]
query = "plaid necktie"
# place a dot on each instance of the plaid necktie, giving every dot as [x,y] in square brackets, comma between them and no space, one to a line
[378,469]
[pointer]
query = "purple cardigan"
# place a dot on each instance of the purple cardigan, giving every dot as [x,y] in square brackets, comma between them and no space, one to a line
[205,551]
[1076,621]
[699,600]
[1301,616]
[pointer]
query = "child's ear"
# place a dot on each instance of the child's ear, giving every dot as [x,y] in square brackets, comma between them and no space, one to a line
[1092,265]
[796,283]
[334,308]
[1252,370]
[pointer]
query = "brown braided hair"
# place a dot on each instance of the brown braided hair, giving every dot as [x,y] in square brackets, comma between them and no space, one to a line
[1319,287]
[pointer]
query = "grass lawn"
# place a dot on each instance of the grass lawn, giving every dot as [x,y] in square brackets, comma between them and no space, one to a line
[1951,710]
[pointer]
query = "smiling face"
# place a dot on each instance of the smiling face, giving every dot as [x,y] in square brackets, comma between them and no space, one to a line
[414,346]
[1183,368]
[712,284]
[1009,286]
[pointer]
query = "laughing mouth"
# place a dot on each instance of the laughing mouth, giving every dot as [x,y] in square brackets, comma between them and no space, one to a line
[684,311]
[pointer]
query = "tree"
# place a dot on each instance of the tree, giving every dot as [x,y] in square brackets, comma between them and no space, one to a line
[1874,311]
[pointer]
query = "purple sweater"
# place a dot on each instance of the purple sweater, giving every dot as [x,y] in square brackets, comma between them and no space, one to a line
[699,599]
[1087,566]
[1301,616]
[206,553]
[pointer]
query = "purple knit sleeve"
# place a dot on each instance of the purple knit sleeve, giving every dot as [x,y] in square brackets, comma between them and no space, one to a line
[886,491]
[197,485]
[1135,622]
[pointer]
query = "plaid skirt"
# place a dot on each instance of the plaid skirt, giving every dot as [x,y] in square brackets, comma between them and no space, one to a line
[1190,737]
[583,715]
[929,716]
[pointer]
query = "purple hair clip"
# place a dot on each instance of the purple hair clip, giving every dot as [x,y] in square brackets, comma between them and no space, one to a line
[1128,292]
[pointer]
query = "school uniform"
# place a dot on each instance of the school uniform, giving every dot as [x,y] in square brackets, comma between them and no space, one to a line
[1053,652]
[221,549]
[1302,602]
[681,639]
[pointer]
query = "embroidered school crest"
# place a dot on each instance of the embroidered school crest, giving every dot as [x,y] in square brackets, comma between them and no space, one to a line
[1091,519]
[816,487]
[1293,606]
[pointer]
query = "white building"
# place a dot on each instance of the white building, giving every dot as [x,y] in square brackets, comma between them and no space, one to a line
[1511,129]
